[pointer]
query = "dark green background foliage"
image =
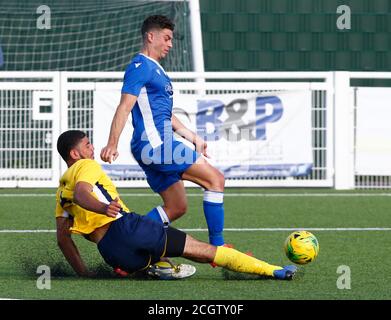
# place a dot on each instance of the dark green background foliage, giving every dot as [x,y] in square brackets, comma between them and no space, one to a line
[285,35]
[242,35]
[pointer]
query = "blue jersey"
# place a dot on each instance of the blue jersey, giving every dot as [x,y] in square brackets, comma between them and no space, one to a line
[151,115]
[154,147]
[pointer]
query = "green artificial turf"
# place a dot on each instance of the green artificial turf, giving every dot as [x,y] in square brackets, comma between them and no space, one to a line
[365,253]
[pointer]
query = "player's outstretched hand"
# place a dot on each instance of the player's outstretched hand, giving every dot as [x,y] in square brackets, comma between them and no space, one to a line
[109,154]
[200,146]
[113,208]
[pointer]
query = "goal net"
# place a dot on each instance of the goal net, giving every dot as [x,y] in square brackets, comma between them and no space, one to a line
[88,35]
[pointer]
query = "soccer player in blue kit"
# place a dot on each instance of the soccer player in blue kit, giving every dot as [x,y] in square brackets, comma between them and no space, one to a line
[147,93]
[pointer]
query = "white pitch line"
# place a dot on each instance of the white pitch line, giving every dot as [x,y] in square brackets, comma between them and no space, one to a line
[230,229]
[294,229]
[27,231]
[4,195]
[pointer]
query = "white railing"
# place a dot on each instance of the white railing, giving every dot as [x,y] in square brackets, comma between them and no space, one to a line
[27,156]
[371,181]
[35,107]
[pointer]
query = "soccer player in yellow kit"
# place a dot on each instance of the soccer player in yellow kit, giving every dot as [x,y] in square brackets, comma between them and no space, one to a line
[89,204]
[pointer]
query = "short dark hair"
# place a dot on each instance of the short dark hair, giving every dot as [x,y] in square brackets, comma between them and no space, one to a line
[67,141]
[156,22]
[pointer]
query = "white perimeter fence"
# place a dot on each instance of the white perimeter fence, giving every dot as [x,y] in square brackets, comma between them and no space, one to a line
[35,107]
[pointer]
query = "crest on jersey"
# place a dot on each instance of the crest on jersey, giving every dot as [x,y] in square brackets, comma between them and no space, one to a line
[169,89]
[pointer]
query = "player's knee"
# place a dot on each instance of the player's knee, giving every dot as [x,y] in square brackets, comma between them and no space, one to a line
[217,182]
[221,180]
[181,208]
[176,211]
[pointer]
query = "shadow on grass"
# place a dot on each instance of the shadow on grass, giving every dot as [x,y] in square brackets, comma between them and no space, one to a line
[232,275]
[61,269]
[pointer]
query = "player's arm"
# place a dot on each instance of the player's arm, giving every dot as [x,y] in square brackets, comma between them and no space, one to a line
[68,247]
[82,196]
[110,152]
[189,135]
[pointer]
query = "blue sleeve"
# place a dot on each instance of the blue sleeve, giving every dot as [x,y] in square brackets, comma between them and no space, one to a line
[136,76]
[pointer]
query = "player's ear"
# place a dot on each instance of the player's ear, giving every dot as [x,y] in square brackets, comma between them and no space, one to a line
[150,36]
[74,154]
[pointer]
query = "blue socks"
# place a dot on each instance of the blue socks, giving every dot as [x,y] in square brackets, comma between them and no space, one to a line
[158,214]
[214,215]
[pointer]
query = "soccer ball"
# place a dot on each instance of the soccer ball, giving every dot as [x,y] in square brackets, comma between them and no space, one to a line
[301,247]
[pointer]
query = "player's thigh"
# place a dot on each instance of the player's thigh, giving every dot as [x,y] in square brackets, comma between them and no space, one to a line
[205,175]
[132,242]
[175,244]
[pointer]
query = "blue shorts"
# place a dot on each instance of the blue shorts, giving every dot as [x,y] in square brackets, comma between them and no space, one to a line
[165,164]
[132,242]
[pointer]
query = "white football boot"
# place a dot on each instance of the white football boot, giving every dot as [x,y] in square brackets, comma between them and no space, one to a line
[165,270]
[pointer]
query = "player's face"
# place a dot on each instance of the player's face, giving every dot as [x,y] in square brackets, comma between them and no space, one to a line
[162,42]
[85,149]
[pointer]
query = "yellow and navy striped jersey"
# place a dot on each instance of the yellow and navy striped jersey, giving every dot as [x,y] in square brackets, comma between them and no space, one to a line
[85,221]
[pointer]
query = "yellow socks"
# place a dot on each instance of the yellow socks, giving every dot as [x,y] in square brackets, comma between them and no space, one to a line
[237,261]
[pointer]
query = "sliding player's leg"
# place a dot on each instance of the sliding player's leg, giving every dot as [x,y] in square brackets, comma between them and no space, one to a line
[234,260]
